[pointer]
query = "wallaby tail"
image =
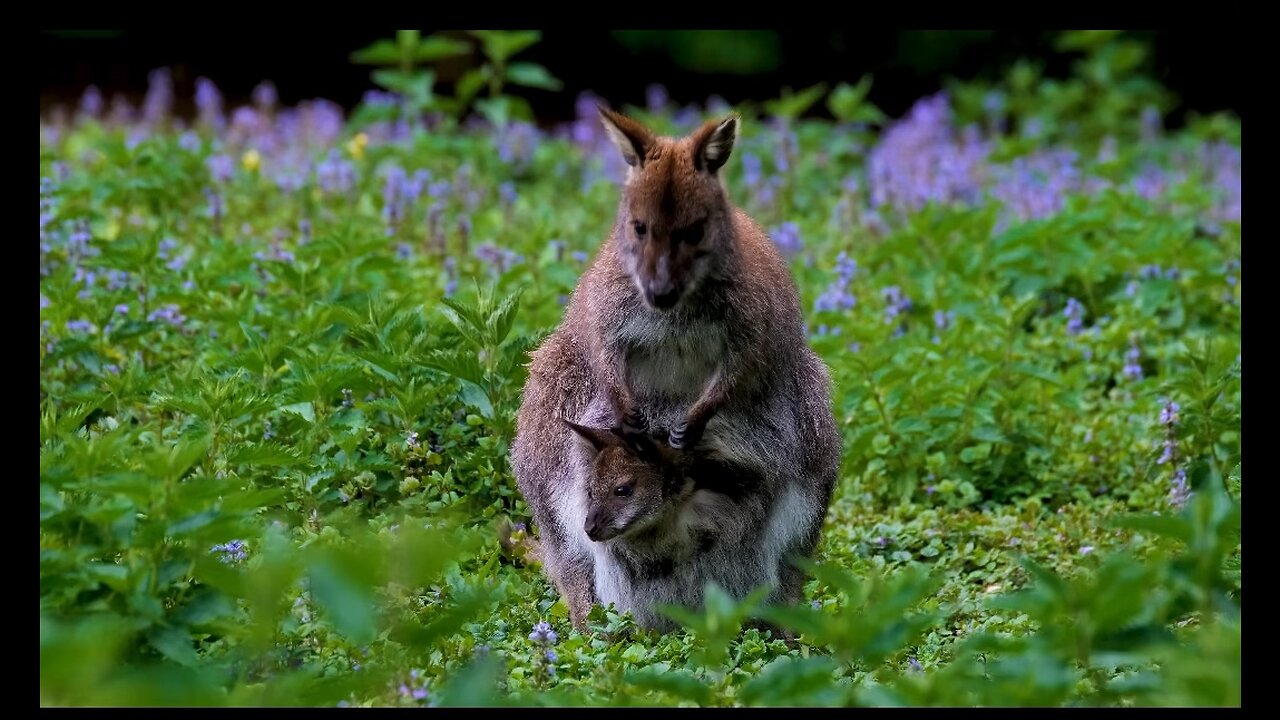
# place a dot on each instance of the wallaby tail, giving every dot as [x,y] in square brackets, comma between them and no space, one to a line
[518,543]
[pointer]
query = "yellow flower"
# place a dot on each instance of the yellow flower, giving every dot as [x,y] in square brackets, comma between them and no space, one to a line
[356,145]
[251,160]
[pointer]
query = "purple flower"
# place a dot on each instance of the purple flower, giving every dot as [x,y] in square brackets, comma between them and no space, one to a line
[656,98]
[517,143]
[896,303]
[837,296]
[943,320]
[501,259]
[551,656]
[45,302]
[122,309]
[543,634]
[159,99]
[1169,414]
[209,103]
[412,439]
[507,191]
[579,256]
[221,168]
[1085,550]
[169,314]
[233,552]
[1074,313]
[91,102]
[920,160]
[80,326]
[915,664]
[1179,491]
[787,238]
[264,95]
[752,170]
[1132,367]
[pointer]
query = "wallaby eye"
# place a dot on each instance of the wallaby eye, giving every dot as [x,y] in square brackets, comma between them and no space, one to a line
[640,228]
[690,234]
[622,491]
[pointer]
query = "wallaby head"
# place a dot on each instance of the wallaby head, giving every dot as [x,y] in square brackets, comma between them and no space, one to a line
[675,216]
[634,478]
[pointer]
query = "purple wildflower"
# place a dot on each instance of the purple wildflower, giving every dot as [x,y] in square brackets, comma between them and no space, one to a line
[507,191]
[787,238]
[169,314]
[543,634]
[501,259]
[896,303]
[91,103]
[1132,367]
[752,170]
[920,160]
[209,104]
[656,97]
[1074,313]
[158,103]
[221,168]
[1179,490]
[412,439]
[80,326]
[265,96]
[233,552]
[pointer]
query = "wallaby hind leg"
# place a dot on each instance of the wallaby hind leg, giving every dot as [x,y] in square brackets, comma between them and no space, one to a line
[575,581]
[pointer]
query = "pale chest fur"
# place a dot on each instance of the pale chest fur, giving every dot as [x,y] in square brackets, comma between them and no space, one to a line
[670,361]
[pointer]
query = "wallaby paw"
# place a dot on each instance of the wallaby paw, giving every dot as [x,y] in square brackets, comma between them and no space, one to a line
[684,436]
[634,422]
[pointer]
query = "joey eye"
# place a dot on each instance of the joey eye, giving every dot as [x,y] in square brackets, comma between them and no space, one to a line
[622,491]
[640,228]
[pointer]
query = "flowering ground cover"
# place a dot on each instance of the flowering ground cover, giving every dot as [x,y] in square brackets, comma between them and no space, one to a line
[281,351]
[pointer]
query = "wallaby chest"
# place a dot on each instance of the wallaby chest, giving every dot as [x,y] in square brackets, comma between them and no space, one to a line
[671,361]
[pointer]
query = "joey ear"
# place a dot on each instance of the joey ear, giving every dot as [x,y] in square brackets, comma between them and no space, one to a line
[713,143]
[599,439]
[632,139]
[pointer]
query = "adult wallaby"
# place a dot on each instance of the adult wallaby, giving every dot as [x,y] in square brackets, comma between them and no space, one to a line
[688,319]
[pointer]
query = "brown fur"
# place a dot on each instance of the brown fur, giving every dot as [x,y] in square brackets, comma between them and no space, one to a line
[727,363]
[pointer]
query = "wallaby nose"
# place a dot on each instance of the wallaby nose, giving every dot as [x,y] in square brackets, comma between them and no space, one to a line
[662,296]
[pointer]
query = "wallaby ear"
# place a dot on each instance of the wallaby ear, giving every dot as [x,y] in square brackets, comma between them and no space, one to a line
[631,138]
[713,143]
[599,438]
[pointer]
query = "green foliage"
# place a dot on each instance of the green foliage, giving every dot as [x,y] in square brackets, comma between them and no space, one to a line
[271,479]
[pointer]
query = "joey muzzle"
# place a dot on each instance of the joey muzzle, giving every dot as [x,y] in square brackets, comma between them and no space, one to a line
[598,527]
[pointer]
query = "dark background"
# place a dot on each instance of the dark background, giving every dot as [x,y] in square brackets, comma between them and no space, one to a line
[1202,68]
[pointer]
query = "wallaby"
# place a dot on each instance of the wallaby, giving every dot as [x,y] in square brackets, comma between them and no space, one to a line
[657,517]
[688,318]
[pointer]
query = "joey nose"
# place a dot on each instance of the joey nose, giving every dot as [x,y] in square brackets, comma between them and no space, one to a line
[593,527]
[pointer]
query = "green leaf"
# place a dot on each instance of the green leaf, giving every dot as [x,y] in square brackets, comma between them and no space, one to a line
[499,45]
[793,682]
[382,52]
[174,644]
[532,75]
[303,410]
[439,48]
[678,683]
[266,454]
[343,593]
